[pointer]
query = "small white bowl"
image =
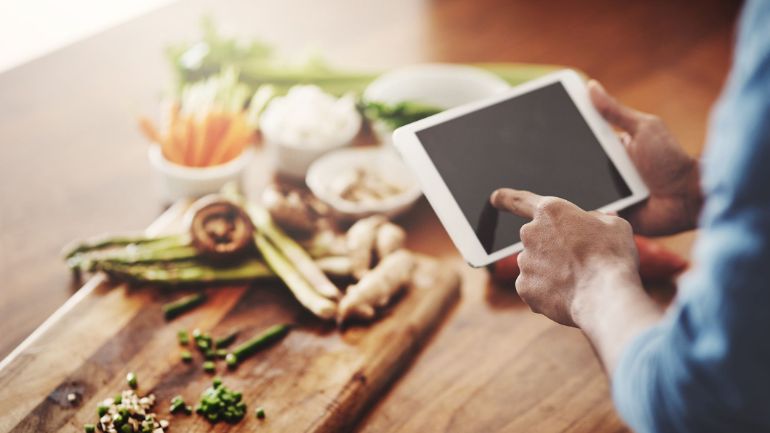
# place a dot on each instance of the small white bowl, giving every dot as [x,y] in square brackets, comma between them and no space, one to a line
[434,84]
[293,159]
[323,171]
[179,182]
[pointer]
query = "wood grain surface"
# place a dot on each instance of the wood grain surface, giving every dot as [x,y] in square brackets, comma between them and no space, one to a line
[72,164]
[317,379]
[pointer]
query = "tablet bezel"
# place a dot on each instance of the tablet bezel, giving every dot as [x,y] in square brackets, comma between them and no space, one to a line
[440,197]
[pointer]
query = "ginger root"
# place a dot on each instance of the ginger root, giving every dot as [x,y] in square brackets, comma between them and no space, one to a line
[390,238]
[377,287]
[361,239]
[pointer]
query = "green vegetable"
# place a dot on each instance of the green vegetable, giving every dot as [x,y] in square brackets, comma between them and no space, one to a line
[226,340]
[186,356]
[195,271]
[231,361]
[131,379]
[221,353]
[262,340]
[101,410]
[219,403]
[209,367]
[178,405]
[126,428]
[260,413]
[118,399]
[182,305]
[183,338]
[89,428]
[399,114]
[108,241]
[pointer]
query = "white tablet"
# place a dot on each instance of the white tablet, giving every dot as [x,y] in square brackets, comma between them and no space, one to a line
[543,136]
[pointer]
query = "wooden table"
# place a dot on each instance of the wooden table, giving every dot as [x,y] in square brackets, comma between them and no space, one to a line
[73,164]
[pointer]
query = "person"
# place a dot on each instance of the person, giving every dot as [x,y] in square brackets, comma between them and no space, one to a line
[704,364]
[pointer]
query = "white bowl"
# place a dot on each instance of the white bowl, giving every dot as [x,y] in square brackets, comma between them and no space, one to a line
[178,181]
[323,171]
[293,159]
[434,84]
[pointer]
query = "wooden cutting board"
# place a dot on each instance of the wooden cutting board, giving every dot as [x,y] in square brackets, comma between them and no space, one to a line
[318,379]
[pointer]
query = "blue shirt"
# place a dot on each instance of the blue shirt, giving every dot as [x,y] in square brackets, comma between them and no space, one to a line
[706,367]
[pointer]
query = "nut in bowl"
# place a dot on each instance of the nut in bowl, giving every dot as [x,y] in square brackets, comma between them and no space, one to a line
[360,182]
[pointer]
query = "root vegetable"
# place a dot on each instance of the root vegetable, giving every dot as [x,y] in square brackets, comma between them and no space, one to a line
[361,238]
[377,287]
[338,266]
[390,238]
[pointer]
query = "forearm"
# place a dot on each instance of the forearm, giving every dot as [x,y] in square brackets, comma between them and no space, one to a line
[616,310]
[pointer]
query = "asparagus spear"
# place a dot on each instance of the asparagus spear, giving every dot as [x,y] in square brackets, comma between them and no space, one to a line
[133,254]
[188,272]
[107,241]
[296,255]
[309,298]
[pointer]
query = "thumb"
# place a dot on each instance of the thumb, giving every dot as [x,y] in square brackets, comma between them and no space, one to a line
[613,111]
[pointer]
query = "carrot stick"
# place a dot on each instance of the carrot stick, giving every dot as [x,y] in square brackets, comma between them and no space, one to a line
[234,132]
[149,130]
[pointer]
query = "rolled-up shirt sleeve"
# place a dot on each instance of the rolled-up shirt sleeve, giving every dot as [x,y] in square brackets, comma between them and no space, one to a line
[706,367]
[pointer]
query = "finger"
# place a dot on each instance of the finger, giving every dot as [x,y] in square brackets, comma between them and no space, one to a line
[613,111]
[625,139]
[521,203]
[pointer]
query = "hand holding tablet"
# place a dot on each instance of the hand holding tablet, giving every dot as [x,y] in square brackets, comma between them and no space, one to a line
[543,136]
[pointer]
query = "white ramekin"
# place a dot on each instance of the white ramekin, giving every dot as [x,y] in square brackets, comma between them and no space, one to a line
[322,172]
[293,160]
[179,182]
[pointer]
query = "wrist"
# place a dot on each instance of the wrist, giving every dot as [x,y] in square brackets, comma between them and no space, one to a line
[614,311]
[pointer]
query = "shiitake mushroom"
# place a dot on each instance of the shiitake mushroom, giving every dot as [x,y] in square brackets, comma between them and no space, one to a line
[220,228]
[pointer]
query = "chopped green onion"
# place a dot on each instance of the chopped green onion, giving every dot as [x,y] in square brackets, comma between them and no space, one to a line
[226,340]
[260,413]
[262,340]
[183,337]
[231,361]
[89,428]
[209,367]
[186,356]
[182,305]
[131,379]
[221,353]
[102,410]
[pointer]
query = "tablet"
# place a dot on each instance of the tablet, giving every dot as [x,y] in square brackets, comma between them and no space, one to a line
[543,136]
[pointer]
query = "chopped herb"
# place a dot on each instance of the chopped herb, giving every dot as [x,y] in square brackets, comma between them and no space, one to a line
[219,403]
[131,379]
[182,305]
[89,428]
[221,353]
[186,356]
[260,413]
[209,367]
[231,361]
[183,337]
[101,410]
[178,405]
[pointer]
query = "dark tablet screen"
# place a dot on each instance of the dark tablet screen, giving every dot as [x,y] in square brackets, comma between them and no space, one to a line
[538,142]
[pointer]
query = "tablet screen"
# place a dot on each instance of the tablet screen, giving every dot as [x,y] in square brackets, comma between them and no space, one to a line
[537,141]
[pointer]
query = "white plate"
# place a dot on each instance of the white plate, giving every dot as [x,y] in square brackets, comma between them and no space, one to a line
[323,171]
